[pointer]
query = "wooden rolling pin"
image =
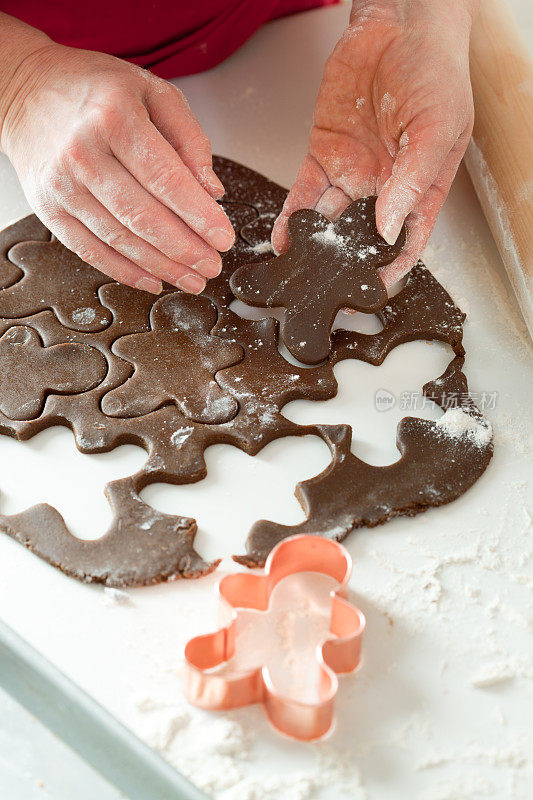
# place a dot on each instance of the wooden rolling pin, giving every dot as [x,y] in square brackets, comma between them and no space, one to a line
[500,155]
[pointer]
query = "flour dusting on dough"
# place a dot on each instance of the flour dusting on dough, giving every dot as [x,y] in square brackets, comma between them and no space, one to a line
[180,436]
[83,316]
[329,236]
[262,247]
[457,423]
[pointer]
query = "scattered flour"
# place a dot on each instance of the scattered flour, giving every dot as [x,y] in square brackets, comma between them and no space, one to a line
[180,436]
[214,751]
[404,140]
[457,423]
[388,103]
[493,674]
[116,597]
[83,316]
[262,247]
[329,236]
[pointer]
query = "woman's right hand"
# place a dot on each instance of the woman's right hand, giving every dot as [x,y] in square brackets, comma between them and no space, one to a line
[114,163]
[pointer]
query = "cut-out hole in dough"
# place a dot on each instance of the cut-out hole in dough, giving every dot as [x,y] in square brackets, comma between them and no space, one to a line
[290,358]
[49,469]
[358,321]
[348,321]
[359,402]
[251,312]
[397,287]
[261,486]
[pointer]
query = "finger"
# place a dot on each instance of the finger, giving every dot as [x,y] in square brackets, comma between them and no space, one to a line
[171,114]
[421,155]
[109,230]
[147,155]
[332,203]
[383,177]
[418,226]
[349,165]
[310,184]
[145,216]
[421,221]
[74,235]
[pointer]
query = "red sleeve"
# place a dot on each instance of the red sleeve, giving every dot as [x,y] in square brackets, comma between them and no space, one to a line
[170,37]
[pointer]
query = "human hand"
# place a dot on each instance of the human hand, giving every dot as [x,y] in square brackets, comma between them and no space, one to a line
[393,117]
[114,163]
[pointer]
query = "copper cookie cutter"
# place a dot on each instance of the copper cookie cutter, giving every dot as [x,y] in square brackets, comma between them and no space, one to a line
[338,653]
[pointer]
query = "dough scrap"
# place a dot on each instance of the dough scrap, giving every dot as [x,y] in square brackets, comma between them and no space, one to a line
[434,468]
[142,547]
[423,309]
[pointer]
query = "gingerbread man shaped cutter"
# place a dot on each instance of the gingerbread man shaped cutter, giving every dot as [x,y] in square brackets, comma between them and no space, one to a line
[338,653]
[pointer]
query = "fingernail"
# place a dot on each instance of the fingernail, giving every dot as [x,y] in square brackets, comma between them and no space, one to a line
[221,239]
[391,230]
[208,267]
[147,284]
[212,180]
[191,283]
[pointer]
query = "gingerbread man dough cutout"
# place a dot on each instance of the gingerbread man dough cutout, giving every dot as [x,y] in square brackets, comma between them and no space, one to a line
[176,362]
[329,265]
[29,371]
[55,278]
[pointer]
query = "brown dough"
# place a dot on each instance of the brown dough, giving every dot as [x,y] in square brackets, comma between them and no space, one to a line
[29,371]
[53,277]
[157,546]
[27,229]
[328,266]
[434,468]
[252,244]
[423,309]
[176,362]
[261,384]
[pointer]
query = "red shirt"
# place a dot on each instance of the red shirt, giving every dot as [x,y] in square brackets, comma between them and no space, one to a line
[171,37]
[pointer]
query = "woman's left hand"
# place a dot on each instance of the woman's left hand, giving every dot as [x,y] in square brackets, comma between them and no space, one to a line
[393,117]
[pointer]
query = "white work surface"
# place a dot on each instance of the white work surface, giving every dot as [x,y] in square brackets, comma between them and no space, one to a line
[442,704]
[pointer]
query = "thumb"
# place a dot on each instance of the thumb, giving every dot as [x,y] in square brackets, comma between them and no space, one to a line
[421,154]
